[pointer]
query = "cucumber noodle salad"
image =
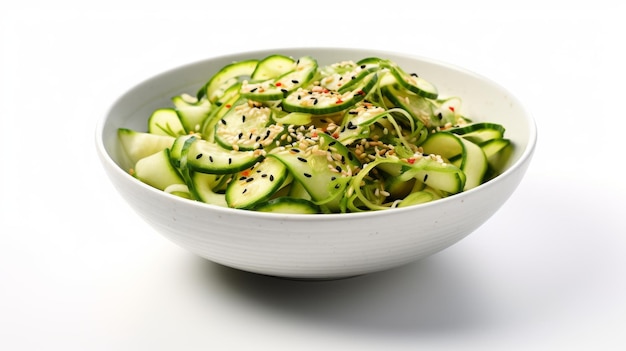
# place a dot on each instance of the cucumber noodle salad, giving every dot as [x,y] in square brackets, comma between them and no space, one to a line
[283,134]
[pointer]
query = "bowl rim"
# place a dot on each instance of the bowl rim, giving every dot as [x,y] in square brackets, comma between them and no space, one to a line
[108,161]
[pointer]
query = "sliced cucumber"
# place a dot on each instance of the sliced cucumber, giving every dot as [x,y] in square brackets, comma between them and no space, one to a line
[436,174]
[227,77]
[480,132]
[165,121]
[277,88]
[246,126]
[445,144]
[208,157]
[322,178]
[191,111]
[474,164]
[288,205]
[203,183]
[256,184]
[138,145]
[414,83]
[273,66]
[157,171]
[319,101]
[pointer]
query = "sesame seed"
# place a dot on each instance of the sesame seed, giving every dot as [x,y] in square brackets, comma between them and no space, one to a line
[271,177]
[198,156]
[307,175]
[230,160]
[302,159]
[249,180]
[210,158]
[223,121]
[425,178]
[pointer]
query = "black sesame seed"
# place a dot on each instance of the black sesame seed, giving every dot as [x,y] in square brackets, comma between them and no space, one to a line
[440,116]
[249,180]
[338,168]
[263,175]
[315,102]
[253,90]
[425,178]
[414,75]
[240,135]
[284,91]
[244,190]
[210,158]
[333,178]
[271,177]
[243,178]
[295,81]
[307,175]
[302,159]
[243,118]
[230,160]
[198,156]
[332,143]
[223,121]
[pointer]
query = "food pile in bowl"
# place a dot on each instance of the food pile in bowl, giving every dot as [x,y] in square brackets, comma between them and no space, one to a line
[290,135]
[316,163]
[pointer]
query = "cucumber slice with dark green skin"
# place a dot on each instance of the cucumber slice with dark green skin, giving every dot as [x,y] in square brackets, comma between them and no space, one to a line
[414,83]
[479,132]
[203,184]
[247,126]
[226,77]
[321,172]
[474,164]
[436,174]
[277,88]
[445,144]
[256,184]
[320,101]
[165,121]
[208,157]
[191,111]
[273,66]
[288,205]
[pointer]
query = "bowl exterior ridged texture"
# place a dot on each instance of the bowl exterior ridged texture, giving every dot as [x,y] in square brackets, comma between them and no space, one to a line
[318,246]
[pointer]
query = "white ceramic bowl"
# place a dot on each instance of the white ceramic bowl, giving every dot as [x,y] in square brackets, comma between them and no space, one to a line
[326,245]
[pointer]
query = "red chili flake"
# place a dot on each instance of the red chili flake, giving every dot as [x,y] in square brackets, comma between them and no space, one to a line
[335,135]
[451,108]
[245,173]
[360,92]
[314,134]
[326,91]
[411,160]
[278,84]
[339,101]
[228,105]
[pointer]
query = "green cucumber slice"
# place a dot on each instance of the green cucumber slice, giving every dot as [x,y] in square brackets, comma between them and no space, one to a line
[288,205]
[256,184]
[191,111]
[137,145]
[273,66]
[226,77]
[319,101]
[208,157]
[247,126]
[165,121]
[157,171]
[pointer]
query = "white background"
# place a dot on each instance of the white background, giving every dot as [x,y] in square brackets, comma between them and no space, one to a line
[80,271]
